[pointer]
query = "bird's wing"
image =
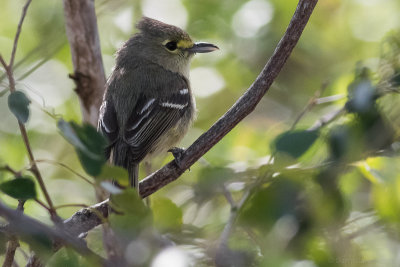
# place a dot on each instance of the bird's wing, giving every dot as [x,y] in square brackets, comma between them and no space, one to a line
[153,117]
[108,123]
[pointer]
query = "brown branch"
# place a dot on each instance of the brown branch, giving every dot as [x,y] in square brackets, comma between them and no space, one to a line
[12,246]
[85,219]
[26,227]
[65,167]
[9,71]
[14,50]
[13,243]
[243,107]
[89,77]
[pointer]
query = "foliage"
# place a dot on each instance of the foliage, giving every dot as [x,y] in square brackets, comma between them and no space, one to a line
[18,104]
[322,191]
[20,188]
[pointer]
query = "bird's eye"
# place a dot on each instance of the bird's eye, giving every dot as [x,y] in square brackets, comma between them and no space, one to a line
[171,46]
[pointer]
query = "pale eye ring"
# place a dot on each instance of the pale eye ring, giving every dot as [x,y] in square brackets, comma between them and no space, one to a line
[171,46]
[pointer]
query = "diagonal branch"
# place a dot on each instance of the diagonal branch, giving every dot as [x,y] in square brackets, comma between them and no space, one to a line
[244,106]
[29,228]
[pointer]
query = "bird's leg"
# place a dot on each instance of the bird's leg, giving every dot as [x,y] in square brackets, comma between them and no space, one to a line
[177,152]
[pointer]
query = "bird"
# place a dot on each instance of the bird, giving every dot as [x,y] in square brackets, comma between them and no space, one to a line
[148,103]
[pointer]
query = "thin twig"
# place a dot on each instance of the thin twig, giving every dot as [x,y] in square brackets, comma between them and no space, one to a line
[65,167]
[226,233]
[327,118]
[70,205]
[14,50]
[9,70]
[42,204]
[311,103]
[228,196]
[11,170]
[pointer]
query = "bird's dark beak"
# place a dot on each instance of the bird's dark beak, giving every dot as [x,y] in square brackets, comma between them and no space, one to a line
[201,47]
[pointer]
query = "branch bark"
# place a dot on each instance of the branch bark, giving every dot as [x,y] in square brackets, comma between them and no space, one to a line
[83,37]
[25,226]
[244,106]
[13,243]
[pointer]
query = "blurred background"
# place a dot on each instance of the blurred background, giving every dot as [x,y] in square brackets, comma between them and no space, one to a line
[345,40]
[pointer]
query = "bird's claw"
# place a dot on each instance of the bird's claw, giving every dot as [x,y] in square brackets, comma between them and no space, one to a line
[177,152]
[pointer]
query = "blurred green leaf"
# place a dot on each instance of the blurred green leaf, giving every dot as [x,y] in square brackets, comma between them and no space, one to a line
[69,133]
[210,181]
[110,172]
[89,145]
[338,140]
[20,188]
[64,257]
[295,143]
[18,103]
[284,201]
[42,245]
[271,202]
[167,215]
[395,79]
[131,216]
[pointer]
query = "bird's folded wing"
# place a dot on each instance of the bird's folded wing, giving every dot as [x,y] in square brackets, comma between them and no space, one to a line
[108,123]
[151,118]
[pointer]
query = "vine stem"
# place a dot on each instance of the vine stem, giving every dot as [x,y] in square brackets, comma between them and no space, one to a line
[9,71]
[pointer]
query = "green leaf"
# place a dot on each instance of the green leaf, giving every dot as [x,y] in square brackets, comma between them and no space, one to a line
[64,257]
[18,104]
[70,134]
[210,182]
[167,215]
[91,165]
[272,201]
[295,143]
[110,172]
[20,188]
[89,145]
[131,216]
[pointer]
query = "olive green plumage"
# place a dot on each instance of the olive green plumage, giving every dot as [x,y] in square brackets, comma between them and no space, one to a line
[148,104]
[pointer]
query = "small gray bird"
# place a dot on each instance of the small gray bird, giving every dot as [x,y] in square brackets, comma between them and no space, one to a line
[148,104]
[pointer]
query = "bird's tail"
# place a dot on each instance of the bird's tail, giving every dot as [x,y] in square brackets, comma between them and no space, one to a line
[133,171]
[121,157]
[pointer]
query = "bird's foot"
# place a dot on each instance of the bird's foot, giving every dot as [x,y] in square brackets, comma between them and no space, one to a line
[177,152]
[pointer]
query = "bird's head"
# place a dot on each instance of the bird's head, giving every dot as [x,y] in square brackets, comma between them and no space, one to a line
[164,44]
